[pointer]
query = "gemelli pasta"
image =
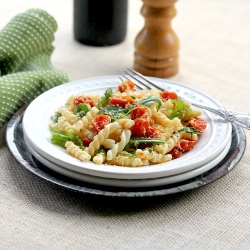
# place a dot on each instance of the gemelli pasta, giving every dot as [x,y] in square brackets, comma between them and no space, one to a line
[127,127]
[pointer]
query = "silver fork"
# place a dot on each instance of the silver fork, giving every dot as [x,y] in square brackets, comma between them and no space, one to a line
[241,119]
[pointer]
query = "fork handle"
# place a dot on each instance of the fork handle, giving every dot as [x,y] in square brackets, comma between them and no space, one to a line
[240,119]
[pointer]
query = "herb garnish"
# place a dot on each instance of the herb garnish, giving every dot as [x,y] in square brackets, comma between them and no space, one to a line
[81,110]
[136,141]
[179,110]
[60,138]
[190,130]
[117,112]
[57,115]
[105,98]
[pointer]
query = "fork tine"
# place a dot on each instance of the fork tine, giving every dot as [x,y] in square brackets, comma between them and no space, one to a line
[127,78]
[142,77]
[137,82]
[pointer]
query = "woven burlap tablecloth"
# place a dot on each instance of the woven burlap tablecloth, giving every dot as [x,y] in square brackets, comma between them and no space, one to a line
[214,58]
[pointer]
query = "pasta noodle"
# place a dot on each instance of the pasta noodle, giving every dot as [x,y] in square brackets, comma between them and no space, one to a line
[126,123]
[73,149]
[126,127]
[122,160]
[153,156]
[71,118]
[100,138]
[125,136]
[99,158]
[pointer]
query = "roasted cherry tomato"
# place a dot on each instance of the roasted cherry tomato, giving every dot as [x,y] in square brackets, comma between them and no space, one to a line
[176,152]
[169,95]
[121,100]
[139,111]
[197,123]
[84,99]
[86,141]
[183,146]
[152,132]
[126,85]
[99,123]
[186,144]
[139,129]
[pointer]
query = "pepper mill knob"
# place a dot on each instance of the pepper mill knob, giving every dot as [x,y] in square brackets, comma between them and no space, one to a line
[157,45]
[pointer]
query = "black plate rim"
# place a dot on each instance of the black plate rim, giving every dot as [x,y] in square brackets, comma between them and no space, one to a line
[234,156]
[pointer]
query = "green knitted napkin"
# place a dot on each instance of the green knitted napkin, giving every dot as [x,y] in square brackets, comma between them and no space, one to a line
[25,67]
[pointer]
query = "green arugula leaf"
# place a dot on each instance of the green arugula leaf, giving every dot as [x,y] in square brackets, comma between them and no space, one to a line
[136,141]
[57,115]
[101,151]
[59,138]
[105,98]
[150,100]
[75,139]
[56,130]
[117,112]
[190,130]
[179,109]
[81,110]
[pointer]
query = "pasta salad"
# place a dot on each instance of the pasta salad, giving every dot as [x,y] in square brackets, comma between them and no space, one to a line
[127,127]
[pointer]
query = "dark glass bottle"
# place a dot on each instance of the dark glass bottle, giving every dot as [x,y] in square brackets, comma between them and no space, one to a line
[100,22]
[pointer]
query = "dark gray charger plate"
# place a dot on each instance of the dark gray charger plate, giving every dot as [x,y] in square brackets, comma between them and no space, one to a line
[16,144]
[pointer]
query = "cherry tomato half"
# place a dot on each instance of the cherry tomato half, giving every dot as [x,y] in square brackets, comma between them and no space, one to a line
[99,123]
[169,95]
[84,99]
[186,144]
[139,129]
[138,112]
[176,152]
[152,132]
[126,85]
[121,100]
[183,146]
[86,141]
[197,123]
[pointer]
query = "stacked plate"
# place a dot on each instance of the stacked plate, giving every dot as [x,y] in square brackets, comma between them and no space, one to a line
[211,148]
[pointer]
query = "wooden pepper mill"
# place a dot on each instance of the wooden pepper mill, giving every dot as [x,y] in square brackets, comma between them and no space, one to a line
[157,45]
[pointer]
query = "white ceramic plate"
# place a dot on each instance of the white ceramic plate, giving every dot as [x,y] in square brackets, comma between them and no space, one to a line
[130,183]
[37,117]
